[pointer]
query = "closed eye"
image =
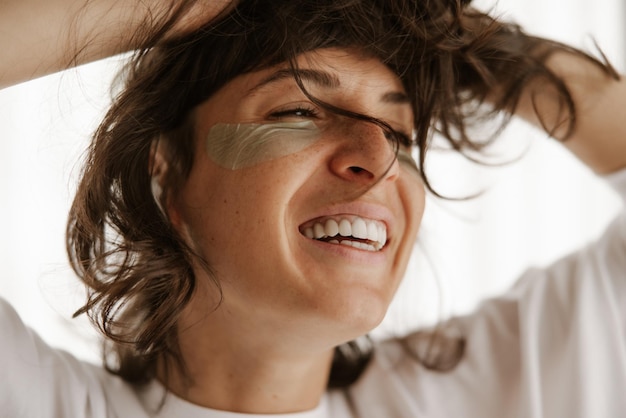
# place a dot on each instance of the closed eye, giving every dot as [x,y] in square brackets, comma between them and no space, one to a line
[295,112]
[402,138]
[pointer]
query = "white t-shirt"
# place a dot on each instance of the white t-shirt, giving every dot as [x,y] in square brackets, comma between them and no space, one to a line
[554,346]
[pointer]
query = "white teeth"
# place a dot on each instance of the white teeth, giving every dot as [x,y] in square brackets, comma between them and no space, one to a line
[345,228]
[373,231]
[331,228]
[382,234]
[359,228]
[359,245]
[318,231]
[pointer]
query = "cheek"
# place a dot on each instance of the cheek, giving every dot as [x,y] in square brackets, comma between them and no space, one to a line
[413,194]
[413,199]
[200,203]
[223,210]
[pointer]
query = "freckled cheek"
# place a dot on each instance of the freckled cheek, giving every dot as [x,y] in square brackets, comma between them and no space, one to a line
[206,198]
[221,202]
[254,193]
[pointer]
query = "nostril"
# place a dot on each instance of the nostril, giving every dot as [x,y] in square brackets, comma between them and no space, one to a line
[356,169]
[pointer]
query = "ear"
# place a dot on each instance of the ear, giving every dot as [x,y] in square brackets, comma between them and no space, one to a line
[158,167]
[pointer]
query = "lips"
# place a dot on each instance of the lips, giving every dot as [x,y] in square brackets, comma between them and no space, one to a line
[350,230]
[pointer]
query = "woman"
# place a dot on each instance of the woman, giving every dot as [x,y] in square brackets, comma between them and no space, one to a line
[250,203]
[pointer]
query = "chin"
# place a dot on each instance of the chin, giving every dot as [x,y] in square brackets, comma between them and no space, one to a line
[360,314]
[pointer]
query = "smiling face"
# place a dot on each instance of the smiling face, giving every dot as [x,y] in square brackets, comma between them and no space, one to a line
[309,243]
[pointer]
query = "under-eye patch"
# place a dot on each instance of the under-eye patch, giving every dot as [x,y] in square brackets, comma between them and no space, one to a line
[236,146]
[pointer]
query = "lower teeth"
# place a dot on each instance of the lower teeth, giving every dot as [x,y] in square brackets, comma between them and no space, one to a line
[354,244]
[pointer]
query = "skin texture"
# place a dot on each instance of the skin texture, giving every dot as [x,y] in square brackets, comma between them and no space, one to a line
[39,37]
[287,299]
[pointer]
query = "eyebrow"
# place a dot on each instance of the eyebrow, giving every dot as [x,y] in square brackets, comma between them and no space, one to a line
[322,79]
[395,97]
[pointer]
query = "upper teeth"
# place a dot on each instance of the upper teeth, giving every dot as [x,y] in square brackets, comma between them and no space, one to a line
[356,227]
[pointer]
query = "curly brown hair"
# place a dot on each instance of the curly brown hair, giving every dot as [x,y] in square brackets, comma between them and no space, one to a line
[138,269]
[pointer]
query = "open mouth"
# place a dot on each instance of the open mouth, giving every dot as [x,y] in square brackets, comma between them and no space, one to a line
[354,231]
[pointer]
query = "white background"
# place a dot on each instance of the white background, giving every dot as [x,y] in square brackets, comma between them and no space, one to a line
[531,212]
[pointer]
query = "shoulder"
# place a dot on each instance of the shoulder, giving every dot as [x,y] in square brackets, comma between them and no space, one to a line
[63,385]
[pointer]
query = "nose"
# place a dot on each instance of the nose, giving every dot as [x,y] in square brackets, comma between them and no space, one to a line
[363,154]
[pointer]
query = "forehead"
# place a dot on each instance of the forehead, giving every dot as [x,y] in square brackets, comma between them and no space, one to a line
[326,69]
[351,63]
[342,77]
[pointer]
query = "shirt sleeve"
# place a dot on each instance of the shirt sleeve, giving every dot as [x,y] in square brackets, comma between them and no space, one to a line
[567,326]
[614,245]
[594,274]
[39,381]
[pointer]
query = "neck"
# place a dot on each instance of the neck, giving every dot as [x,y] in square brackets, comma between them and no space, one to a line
[243,373]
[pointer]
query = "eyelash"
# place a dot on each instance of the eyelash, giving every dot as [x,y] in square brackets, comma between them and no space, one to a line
[403,139]
[310,112]
[298,112]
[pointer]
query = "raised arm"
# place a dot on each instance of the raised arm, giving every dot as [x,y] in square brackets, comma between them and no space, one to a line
[39,37]
[577,99]
[599,133]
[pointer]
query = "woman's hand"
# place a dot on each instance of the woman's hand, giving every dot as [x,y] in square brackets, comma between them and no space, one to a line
[599,135]
[199,13]
[502,63]
[39,37]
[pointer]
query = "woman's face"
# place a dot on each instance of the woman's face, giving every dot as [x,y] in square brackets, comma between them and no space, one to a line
[258,223]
